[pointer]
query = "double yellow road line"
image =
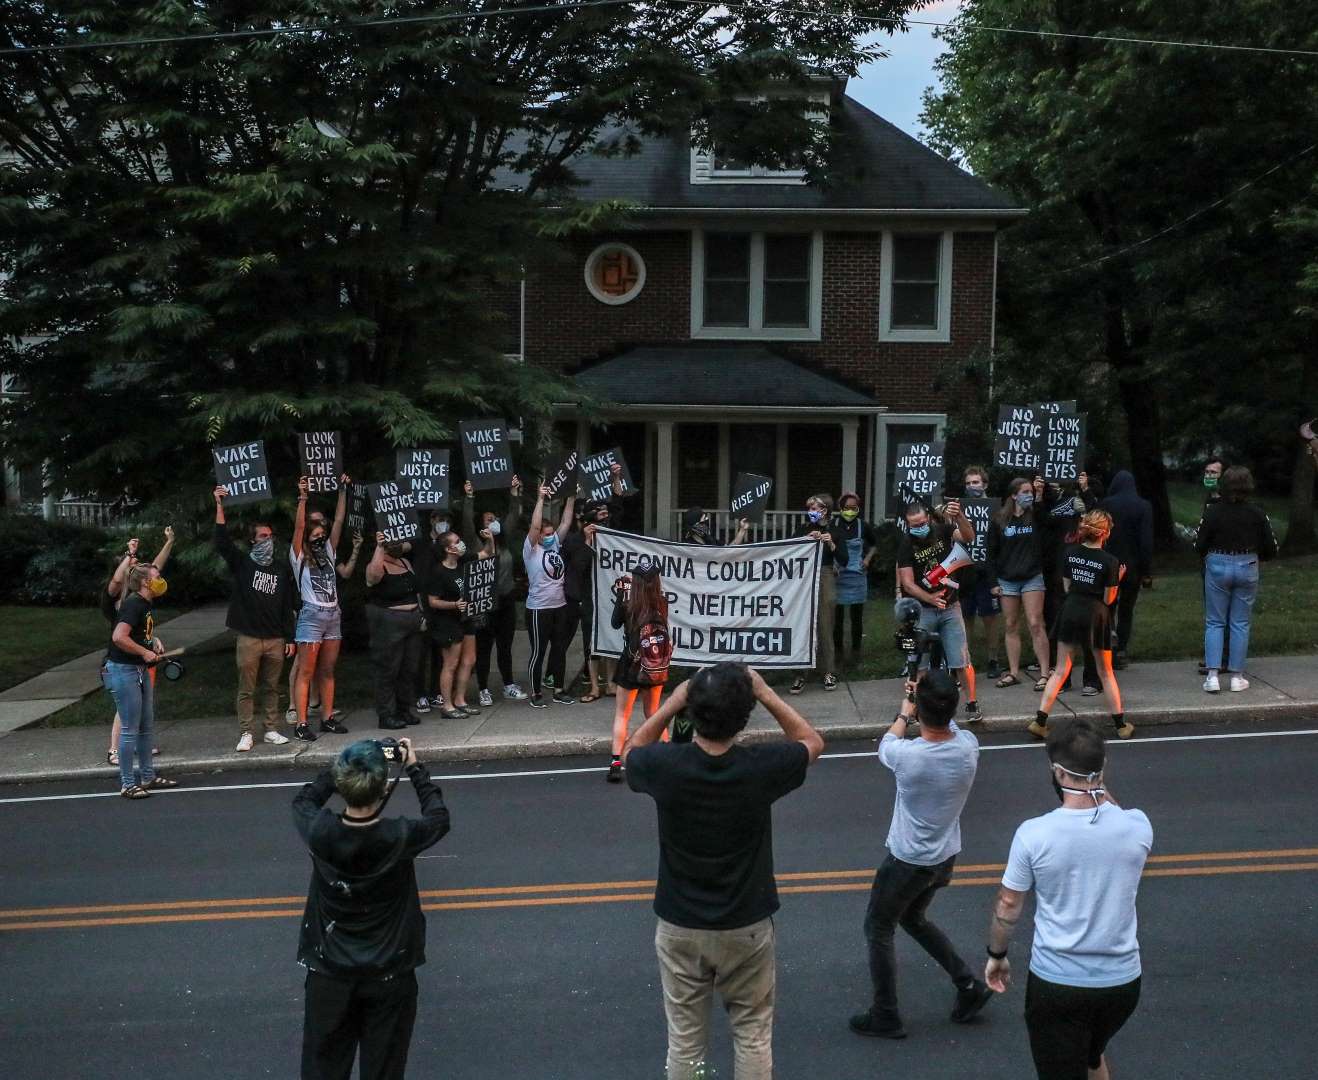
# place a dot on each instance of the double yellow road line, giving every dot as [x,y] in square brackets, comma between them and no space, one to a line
[1200,864]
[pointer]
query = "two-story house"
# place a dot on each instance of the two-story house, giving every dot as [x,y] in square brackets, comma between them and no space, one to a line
[746,320]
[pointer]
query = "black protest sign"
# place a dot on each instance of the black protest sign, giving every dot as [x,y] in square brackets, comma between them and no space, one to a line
[1018,440]
[485,451]
[595,476]
[1054,407]
[321,456]
[241,470]
[426,473]
[478,586]
[750,496]
[394,508]
[359,508]
[919,470]
[561,472]
[979,512]
[1063,445]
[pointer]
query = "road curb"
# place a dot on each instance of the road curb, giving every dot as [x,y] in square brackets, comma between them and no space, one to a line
[263,759]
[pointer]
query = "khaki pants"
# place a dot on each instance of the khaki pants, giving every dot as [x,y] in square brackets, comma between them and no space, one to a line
[739,964]
[825,653]
[260,663]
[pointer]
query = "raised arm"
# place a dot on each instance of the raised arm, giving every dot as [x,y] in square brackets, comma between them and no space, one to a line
[116,586]
[469,517]
[347,569]
[223,541]
[565,526]
[340,511]
[300,518]
[375,568]
[162,556]
[309,802]
[794,725]
[512,521]
[650,731]
[537,517]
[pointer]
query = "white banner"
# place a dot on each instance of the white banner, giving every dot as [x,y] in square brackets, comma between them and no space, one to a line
[755,604]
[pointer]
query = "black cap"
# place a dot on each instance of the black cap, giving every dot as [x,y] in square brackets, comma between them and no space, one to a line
[692,516]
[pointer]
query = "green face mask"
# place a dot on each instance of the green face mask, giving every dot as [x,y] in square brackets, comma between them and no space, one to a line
[850,515]
[1210,482]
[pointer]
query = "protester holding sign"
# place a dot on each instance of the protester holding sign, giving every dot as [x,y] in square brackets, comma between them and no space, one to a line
[861,542]
[1065,511]
[451,632]
[698,528]
[579,557]
[1015,557]
[820,527]
[1092,576]
[546,604]
[640,609]
[393,611]
[927,570]
[978,599]
[261,616]
[320,623]
[502,536]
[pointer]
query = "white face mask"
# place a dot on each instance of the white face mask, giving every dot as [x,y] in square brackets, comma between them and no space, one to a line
[460,549]
[494,527]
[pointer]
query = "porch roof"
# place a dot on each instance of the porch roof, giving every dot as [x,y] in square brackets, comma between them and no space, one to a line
[717,377]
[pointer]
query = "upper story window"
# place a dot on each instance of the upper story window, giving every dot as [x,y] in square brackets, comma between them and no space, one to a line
[756,285]
[915,286]
[717,166]
[615,274]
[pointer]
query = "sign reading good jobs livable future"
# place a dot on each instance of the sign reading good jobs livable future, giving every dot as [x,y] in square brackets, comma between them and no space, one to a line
[754,604]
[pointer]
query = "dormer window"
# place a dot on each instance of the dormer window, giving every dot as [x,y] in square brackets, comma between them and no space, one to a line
[716,166]
[723,166]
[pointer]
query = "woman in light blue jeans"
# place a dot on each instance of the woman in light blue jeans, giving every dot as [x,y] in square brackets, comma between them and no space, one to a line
[1233,536]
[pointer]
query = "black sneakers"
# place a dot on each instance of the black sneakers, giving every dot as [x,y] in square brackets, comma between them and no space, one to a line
[615,771]
[867,1023]
[538,701]
[564,698]
[333,725]
[973,714]
[970,1000]
[304,732]
[392,723]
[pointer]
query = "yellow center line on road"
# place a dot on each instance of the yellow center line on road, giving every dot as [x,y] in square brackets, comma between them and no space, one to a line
[600,892]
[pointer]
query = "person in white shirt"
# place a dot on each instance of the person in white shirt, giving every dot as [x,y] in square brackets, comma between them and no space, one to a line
[934,773]
[546,604]
[1083,861]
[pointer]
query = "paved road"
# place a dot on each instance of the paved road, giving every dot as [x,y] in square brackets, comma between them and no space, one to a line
[561,983]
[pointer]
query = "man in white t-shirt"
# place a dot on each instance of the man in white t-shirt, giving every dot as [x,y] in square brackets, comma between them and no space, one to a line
[1084,862]
[934,773]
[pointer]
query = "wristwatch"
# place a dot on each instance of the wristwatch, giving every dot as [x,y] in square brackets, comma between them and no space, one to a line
[995,955]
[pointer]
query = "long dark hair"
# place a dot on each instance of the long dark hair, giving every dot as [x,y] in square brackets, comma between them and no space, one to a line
[645,600]
[1007,511]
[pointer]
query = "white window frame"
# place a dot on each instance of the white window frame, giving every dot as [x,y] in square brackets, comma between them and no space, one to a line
[704,163]
[943,331]
[757,331]
[631,253]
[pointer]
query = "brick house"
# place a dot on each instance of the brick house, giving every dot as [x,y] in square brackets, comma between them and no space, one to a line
[748,321]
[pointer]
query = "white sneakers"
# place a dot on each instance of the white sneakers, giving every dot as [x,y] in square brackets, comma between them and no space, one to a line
[486,698]
[1239,683]
[272,737]
[1211,685]
[514,692]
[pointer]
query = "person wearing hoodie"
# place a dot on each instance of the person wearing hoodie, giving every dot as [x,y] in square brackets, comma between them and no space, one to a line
[363,933]
[1132,544]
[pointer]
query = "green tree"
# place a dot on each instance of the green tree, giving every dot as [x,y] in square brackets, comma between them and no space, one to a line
[1153,277]
[218,239]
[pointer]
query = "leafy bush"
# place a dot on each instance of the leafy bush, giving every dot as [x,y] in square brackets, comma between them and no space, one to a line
[49,562]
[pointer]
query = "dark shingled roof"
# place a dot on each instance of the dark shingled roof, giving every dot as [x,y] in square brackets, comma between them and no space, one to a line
[720,376]
[884,169]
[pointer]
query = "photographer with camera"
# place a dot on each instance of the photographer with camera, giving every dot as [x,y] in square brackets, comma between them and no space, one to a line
[1083,861]
[934,773]
[363,933]
[924,548]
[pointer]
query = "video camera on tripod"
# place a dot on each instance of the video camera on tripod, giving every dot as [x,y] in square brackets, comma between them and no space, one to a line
[911,639]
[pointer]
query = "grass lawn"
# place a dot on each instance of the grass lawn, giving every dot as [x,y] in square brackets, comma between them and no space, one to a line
[39,638]
[1187,501]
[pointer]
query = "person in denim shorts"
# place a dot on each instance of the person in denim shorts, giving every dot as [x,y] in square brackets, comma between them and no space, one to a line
[1015,552]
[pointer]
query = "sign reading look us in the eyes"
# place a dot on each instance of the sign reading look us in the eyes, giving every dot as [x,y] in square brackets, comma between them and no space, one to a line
[320,454]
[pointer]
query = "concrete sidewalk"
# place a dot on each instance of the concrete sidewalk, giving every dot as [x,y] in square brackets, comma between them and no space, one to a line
[73,680]
[1285,689]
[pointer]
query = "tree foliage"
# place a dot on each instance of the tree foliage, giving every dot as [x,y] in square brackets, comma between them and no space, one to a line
[1158,277]
[219,239]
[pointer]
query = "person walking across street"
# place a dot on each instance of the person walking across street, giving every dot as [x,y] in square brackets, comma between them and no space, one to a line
[1083,862]
[261,615]
[1132,543]
[1233,536]
[716,895]
[934,774]
[363,932]
[393,612]
[546,604]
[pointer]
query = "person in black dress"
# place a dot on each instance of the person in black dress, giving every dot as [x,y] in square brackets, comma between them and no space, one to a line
[1091,577]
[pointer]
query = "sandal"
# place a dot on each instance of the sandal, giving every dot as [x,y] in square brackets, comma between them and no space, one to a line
[112,757]
[796,687]
[587,698]
[1007,680]
[453,714]
[1042,684]
[134,792]
[160,782]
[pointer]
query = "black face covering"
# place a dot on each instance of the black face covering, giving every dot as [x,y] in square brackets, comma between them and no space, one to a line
[1056,786]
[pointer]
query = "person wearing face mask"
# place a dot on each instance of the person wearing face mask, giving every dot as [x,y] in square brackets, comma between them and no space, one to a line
[495,635]
[425,554]
[261,615]
[698,528]
[1015,563]
[133,651]
[978,600]
[1132,543]
[820,527]
[450,630]
[393,611]
[1083,862]
[546,603]
[861,541]
[319,623]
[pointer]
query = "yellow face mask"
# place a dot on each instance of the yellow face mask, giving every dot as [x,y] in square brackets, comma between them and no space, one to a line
[850,515]
[158,586]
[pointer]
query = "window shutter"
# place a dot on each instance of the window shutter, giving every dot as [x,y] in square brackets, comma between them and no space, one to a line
[701,165]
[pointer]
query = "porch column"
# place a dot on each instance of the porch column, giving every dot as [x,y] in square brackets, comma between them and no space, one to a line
[648,484]
[663,496]
[780,469]
[583,438]
[724,467]
[850,430]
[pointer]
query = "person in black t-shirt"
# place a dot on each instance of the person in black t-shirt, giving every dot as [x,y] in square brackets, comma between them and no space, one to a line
[363,932]
[450,630]
[393,612]
[1091,577]
[716,895]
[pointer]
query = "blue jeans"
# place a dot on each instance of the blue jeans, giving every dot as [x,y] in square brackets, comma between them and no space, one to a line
[134,697]
[1230,584]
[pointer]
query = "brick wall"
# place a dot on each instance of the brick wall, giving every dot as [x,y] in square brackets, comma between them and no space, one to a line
[568,327]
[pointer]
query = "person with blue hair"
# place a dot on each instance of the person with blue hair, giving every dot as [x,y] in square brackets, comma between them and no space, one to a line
[363,933]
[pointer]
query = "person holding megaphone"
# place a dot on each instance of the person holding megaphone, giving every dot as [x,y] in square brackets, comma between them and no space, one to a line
[929,559]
